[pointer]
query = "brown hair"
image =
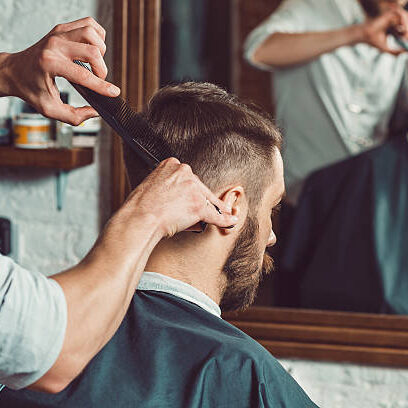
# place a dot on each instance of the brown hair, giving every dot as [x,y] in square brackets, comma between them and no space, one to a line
[221,138]
[373,8]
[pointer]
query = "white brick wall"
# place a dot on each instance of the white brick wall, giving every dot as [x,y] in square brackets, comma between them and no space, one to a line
[333,385]
[50,241]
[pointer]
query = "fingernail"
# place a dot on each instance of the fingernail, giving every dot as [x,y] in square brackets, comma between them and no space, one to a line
[114,90]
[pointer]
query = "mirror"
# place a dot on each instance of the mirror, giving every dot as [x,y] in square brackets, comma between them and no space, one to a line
[212,50]
[339,248]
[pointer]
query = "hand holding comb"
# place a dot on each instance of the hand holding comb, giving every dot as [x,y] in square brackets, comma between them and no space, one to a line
[131,126]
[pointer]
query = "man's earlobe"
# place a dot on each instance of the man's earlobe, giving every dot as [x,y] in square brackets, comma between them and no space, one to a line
[235,198]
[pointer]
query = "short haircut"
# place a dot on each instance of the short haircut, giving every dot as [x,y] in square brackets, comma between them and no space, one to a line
[371,7]
[224,140]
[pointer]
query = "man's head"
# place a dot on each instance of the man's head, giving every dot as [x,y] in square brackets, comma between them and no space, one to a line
[374,8]
[234,149]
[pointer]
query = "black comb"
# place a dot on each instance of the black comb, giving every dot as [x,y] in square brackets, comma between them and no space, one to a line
[131,126]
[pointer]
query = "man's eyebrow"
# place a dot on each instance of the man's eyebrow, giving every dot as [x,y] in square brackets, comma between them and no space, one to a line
[277,207]
[282,196]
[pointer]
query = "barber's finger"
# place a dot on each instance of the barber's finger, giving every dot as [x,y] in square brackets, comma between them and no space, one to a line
[68,114]
[403,26]
[228,222]
[392,17]
[165,168]
[82,22]
[86,53]
[213,199]
[169,162]
[79,75]
[386,21]
[86,35]
[212,216]
[392,51]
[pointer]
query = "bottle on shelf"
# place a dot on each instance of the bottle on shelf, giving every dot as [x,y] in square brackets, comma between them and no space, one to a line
[5,138]
[63,131]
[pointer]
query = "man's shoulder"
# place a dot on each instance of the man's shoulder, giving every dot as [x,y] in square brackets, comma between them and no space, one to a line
[242,343]
[180,318]
[254,371]
[241,350]
[216,349]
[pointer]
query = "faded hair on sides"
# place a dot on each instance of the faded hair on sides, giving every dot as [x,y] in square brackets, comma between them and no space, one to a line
[223,139]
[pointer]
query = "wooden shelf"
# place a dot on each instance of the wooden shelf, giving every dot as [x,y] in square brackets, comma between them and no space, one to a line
[62,159]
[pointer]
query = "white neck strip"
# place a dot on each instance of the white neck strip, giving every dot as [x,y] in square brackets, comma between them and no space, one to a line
[163,283]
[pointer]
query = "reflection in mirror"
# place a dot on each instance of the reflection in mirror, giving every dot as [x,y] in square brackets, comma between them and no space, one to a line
[195,40]
[340,99]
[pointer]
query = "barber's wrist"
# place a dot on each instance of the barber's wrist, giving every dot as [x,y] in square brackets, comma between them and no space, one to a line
[132,219]
[126,236]
[357,33]
[148,224]
[5,75]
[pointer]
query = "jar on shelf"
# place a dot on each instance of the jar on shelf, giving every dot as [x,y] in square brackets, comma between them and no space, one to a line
[32,131]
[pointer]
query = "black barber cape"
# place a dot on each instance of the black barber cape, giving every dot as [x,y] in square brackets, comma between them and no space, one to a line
[348,243]
[169,352]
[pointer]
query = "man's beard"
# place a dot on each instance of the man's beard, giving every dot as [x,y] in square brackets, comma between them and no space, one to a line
[243,269]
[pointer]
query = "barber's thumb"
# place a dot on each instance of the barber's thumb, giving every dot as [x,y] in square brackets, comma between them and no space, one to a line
[81,114]
[225,221]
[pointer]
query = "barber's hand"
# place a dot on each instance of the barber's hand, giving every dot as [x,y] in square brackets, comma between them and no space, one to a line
[178,199]
[30,74]
[376,30]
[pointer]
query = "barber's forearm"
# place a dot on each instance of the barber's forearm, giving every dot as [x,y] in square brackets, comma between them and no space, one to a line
[284,49]
[98,292]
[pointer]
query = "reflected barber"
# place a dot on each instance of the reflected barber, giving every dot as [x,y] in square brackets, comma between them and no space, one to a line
[337,73]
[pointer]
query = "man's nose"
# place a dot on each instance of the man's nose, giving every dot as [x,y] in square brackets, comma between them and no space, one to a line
[271,239]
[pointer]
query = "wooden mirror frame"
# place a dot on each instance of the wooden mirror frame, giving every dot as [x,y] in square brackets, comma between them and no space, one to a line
[136,71]
[286,333]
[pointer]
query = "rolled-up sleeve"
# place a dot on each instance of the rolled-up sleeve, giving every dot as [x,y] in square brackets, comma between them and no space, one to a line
[290,17]
[33,319]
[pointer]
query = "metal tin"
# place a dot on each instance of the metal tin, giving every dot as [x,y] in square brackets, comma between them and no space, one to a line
[32,131]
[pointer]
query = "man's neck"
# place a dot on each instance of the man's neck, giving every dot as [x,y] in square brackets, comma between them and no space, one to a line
[195,264]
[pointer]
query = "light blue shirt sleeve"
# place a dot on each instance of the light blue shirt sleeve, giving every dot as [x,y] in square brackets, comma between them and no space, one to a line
[301,16]
[292,16]
[33,320]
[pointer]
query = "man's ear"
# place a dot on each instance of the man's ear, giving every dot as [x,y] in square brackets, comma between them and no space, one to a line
[235,198]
